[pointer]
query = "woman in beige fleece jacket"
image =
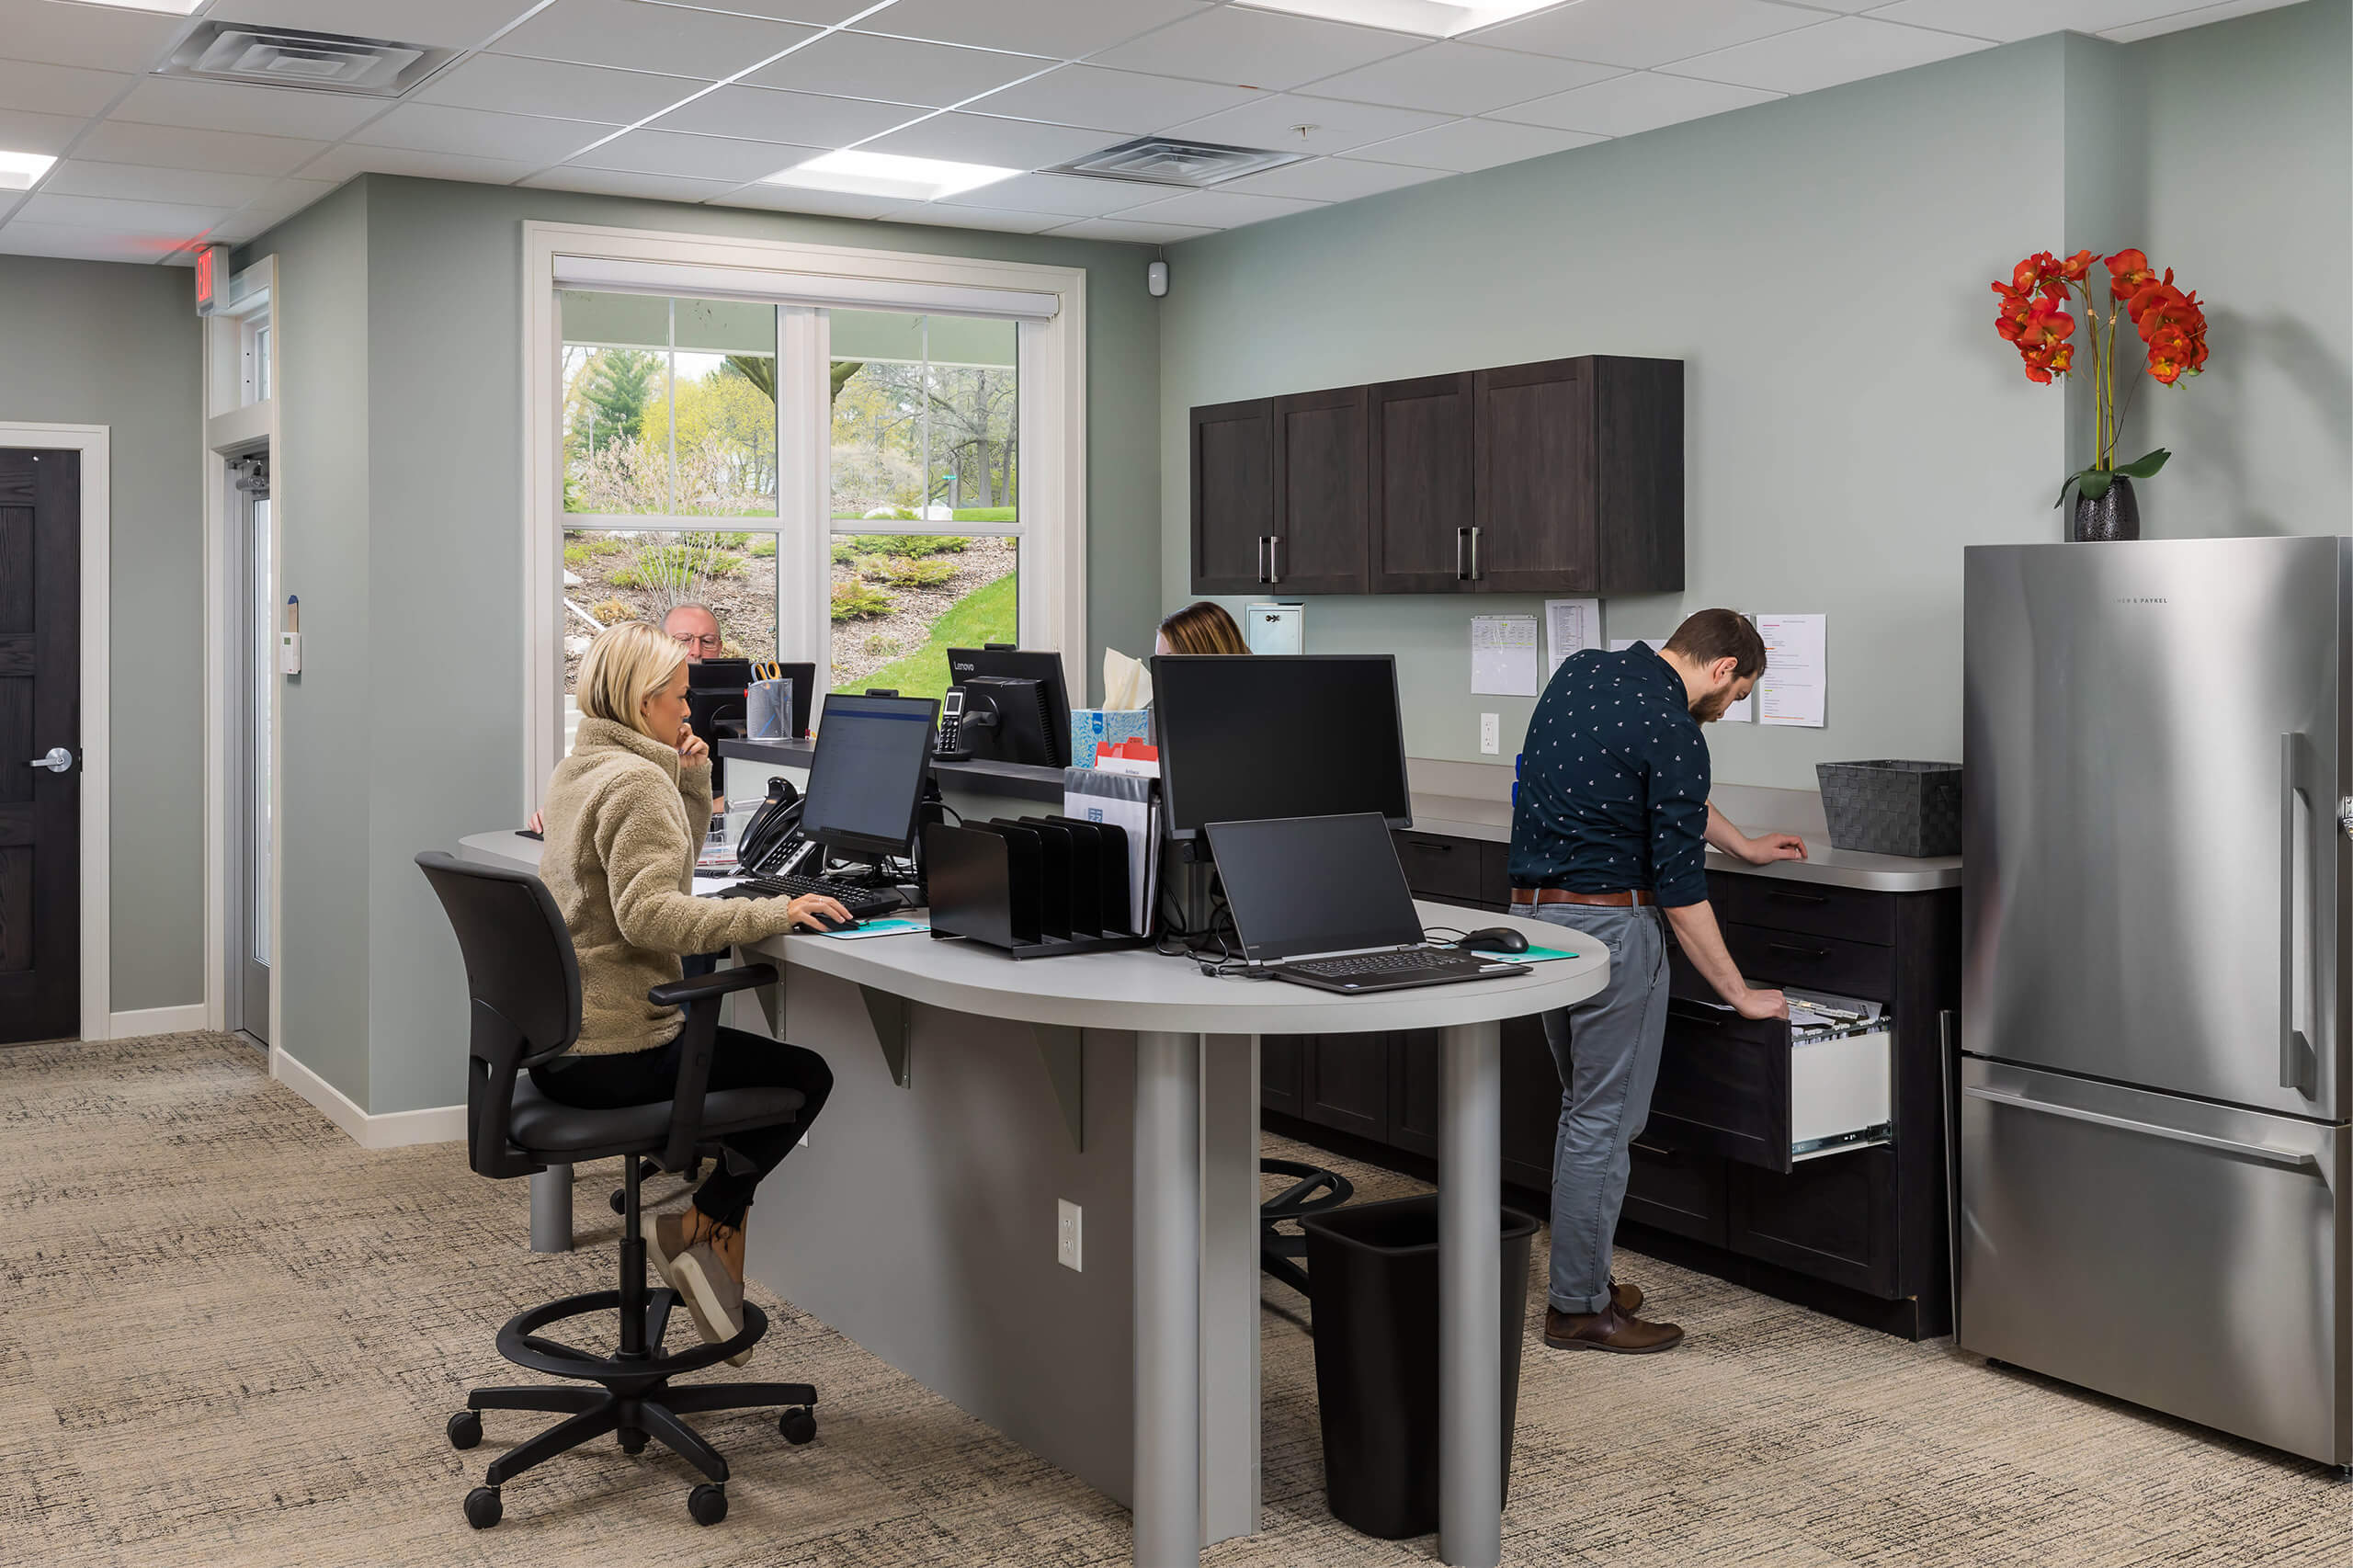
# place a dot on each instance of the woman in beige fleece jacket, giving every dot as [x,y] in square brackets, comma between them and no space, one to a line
[625,814]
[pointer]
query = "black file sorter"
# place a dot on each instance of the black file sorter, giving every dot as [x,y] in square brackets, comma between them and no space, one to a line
[1036,887]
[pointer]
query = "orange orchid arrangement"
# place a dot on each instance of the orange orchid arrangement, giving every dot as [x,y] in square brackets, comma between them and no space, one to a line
[2033,317]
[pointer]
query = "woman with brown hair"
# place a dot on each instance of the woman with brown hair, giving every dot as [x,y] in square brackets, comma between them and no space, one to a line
[1201,628]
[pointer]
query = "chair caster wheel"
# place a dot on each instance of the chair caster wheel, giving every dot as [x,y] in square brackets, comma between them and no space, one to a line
[482,1507]
[632,1441]
[707,1503]
[618,1202]
[797,1426]
[465,1431]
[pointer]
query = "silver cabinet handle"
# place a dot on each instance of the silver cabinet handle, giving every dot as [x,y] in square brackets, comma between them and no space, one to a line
[1474,552]
[2292,1158]
[1262,557]
[1274,558]
[57,760]
[2295,1053]
[1461,571]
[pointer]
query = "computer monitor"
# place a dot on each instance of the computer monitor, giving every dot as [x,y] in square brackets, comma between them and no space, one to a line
[718,674]
[1244,738]
[1010,719]
[1007,663]
[866,782]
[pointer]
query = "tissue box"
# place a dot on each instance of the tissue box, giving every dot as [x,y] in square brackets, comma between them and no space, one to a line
[1091,727]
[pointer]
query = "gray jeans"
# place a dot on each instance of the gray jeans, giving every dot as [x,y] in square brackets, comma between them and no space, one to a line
[1606,1080]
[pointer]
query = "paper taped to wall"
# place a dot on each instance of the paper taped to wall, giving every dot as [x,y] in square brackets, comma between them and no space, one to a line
[1504,656]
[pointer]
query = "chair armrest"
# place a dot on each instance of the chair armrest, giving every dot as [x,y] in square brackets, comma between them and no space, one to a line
[702,987]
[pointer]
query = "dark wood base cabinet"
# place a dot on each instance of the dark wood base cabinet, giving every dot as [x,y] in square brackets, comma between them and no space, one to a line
[1715,1183]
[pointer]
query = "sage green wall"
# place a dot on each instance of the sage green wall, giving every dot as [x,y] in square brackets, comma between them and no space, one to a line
[101,343]
[423,567]
[1820,264]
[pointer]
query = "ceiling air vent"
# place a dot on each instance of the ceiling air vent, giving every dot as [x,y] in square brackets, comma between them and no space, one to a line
[290,57]
[1169,160]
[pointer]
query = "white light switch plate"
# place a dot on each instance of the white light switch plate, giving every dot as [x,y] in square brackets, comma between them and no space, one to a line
[1491,738]
[1066,1235]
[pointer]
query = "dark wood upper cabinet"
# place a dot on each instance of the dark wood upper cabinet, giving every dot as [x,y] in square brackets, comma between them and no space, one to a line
[1564,476]
[1233,495]
[1421,492]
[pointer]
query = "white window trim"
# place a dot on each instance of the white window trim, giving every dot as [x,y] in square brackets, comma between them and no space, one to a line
[1052,412]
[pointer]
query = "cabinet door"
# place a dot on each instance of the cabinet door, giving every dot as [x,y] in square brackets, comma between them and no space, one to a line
[1437,867]
[1347,1082]
[1414,1058]
[1833,1218]
[1422,493]
[1535,514]
[1281,1071]
[1675,1189]
[1233,495]
[1320,474]
[1531,1100]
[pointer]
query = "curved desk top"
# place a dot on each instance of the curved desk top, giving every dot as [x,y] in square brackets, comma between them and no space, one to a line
[1138,989]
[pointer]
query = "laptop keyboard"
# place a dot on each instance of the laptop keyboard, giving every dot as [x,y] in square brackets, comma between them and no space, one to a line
[1413,961]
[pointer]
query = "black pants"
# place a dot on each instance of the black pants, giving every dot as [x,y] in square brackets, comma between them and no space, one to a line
[739,1060]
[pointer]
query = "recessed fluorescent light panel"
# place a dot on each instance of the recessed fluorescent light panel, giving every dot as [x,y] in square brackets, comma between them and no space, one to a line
[889,173]
[19,170]
[1431,18]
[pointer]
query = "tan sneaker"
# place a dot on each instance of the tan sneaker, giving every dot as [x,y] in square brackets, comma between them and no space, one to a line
[713,1296]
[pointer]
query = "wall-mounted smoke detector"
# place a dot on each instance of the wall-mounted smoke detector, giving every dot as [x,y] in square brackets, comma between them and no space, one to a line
[290,57]
[1172,160]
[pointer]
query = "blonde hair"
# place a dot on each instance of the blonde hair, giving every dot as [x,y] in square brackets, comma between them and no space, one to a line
[626,664]
[1203,628]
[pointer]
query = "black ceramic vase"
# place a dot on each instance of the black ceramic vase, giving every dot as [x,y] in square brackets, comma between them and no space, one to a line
[2114,516]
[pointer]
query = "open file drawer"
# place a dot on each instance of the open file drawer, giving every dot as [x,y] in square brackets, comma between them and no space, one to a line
[1753,1090]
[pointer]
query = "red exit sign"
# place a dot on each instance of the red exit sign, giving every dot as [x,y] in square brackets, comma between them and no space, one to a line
[211,278]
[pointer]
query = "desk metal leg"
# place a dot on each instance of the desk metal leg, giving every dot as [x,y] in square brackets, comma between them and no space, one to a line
[551,1209]
[1168,1301]
[1470,1266]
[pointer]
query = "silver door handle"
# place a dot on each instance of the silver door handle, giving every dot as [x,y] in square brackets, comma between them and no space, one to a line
[1264,541]
[2295,1053]
[1274,559]
[2292,1158]
[57,761]
[1474,553]
[1461,571]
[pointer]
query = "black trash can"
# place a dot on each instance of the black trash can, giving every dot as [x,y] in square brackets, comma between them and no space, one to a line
[1373,1269]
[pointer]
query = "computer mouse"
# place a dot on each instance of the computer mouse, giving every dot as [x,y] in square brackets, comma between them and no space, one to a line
[828,924]
[1496,939]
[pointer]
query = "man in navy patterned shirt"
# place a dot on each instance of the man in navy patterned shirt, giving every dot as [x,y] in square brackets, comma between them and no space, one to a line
[1612,826]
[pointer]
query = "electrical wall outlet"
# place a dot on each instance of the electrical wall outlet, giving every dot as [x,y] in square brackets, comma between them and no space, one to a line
[1066,1235]
[1491,734]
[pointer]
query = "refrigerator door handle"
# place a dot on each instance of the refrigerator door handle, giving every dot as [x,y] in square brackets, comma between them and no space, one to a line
[2293,1159]
[2297,1063]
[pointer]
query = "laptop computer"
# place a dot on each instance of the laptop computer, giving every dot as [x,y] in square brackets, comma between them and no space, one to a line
[1323,902]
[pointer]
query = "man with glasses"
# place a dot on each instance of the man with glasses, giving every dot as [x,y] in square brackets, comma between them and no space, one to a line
[693,626]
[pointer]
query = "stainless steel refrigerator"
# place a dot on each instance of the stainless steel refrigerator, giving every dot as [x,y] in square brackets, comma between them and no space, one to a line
[2153,1084]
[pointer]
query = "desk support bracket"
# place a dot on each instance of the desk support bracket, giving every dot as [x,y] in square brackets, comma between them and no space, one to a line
[893,1020]
[1064,1050]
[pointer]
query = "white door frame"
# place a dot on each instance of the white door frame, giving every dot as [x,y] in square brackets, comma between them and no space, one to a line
[94,444]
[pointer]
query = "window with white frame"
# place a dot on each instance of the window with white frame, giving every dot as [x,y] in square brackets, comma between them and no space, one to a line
[861,483]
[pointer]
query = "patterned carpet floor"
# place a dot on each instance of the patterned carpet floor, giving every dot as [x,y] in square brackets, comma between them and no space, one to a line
[230,1337]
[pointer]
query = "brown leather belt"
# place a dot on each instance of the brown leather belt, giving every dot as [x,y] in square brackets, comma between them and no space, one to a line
[1628,899]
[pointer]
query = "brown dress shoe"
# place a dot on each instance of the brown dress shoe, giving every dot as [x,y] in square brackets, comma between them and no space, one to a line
[1612,1330]
[1627,1299]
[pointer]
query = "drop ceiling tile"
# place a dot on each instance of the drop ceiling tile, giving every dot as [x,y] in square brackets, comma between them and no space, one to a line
[676,154]
[237,228]
[771,114]
[2134,32]
[621,182]
[129,182]
[1065,29]
[436,128]
[451,24]
[1290,123]
[259,111]
[1641,33]
[82,244]
[21,132]
[1065,194]
[1469,144]
[2007,20]
[343,163]
[1459,78]
[8,200]
[817,13]
[1845,51]
[118,217]
[168,147]
[818,203]
[512,85]
[57,90]
[1255,48]
[1218,209]
[640,37]
[1111,100]
[101,37]
[287,197]
[1130,231]
[935,215]
[1625,106]
[1331,179]
[978,139]
[899,70]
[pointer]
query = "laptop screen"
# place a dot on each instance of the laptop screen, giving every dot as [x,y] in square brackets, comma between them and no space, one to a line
[1299,885]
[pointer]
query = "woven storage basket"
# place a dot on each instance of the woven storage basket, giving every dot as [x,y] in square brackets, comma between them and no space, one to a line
[1893,808]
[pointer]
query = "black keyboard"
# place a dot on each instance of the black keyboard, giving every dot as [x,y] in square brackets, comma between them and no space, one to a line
[863,904]
[1387,971]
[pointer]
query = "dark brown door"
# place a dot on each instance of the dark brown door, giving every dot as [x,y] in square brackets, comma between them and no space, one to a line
[1233,495]
[1319,543]
[1421,495]
[41,599]
[1281,1074]
[1348,1083]
[1535,477]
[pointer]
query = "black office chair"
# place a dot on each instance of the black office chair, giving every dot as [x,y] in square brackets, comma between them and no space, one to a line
[525,983]
[1316,1191]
